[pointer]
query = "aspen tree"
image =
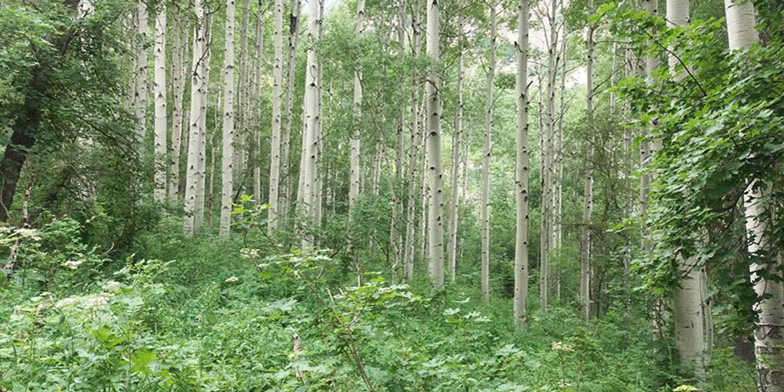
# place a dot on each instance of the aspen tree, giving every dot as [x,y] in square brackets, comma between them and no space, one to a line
[286,186]
[203,103]
[227,156]
[354,142]
[485,198]
[178,89]
[689,329]
[140,96]
[254,108]
[585,230]
[197,85]
[435,215]
[241,137]
[160,104]
[456,150]
[521,169]
[769,331]
[311,116]
[408,270]
[277,102]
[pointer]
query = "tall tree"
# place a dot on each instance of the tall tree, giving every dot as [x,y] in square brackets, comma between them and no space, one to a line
[277,103]
[769,331]
[521,169]
[142,72]
[308,171]
[585,230]
[485,201]
[456,151]
[161,120]
[194,174]
[354,158]
[178,77]
[408,270]
[227,156]
[433,91]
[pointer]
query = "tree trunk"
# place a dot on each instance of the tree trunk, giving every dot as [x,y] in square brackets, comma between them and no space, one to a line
[408,270]
[275,142]
[160,105]
[286,185]
[197,75]
[353,192]
[769,331]
[255,103]
[311,120]
[521,170]
[178,89]
[203,104]
[455,178]
[140,96]
[433,91]
[485,198]
[585,231]
[227,156]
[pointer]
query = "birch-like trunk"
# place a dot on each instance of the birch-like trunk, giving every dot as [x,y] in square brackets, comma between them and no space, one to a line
[286,185]
[160,104]
[227,156]
[485,197]
[548,152]
[277,102]
[178,89]
[241,142]
[521,170]
[142,73]
[192,172]
[585,230]
[769,331]
[311,116]
[254,106]
[354,158]
[455,177]
[201,193]
[410,243]
[433,90]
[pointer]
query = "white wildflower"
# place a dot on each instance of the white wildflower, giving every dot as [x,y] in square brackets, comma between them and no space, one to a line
[249,253]
[558,346]
[73,264]
[232,279]
[86,301]
[28,233]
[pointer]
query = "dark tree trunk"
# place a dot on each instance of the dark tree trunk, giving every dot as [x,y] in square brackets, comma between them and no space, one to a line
[23,137]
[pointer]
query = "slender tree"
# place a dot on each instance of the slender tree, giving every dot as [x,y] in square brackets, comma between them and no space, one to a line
[193,174]
[227,156]
[585,230]
[353,192]
[277,103]
[521,169]
[161,115]
[769,331]
[433,91]
[485,199]
[456,151]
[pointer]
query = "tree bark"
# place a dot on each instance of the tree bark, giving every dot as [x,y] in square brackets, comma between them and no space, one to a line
[227,156]
[455,178]
[275,142]
[161,122]
[197,75]
[433,91]
[485,197]
[521,170]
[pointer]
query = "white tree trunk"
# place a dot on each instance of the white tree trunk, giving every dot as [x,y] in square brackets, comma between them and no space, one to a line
[435,216]
[485,197]
[275,142]
[410,243]
[286,186]
[521,170]
[197,76]
[769,332]
[585,232]
[455,177]
[203,103]
[142,73]
[178,89]
[311,116]
[255,102]
[227,156]
[160,104]
[355,171]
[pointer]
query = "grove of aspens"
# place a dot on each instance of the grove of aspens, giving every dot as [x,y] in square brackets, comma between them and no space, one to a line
[392,195]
